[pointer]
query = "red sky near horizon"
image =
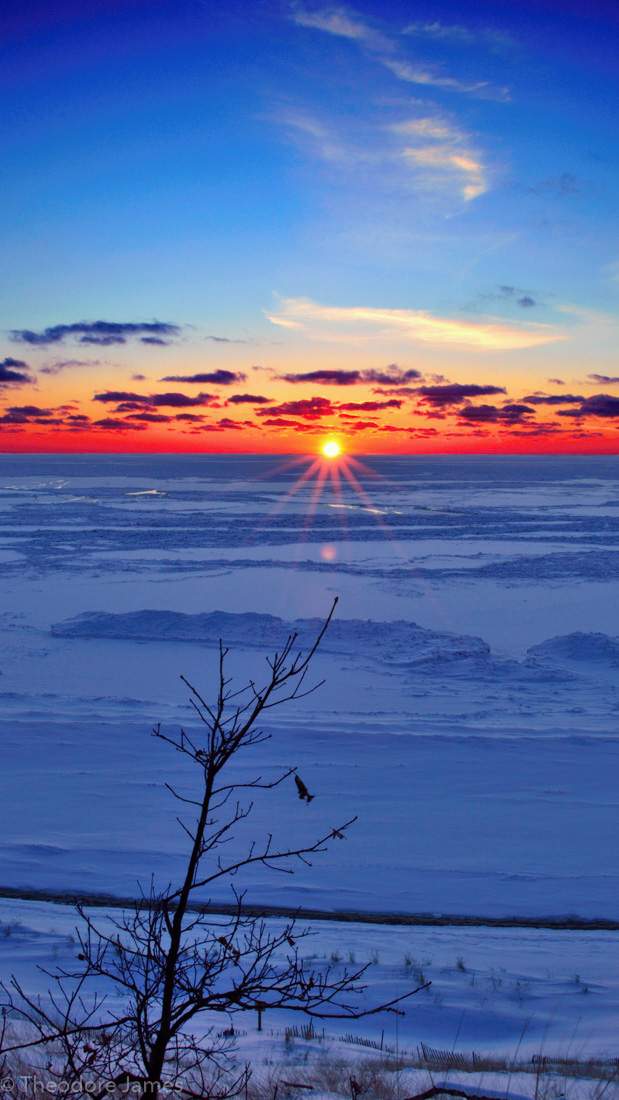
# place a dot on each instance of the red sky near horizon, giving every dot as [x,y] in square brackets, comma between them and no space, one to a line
[66,406]
[255,227]
[72,403]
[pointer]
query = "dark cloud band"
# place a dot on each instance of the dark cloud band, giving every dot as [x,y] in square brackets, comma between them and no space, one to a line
[213,378]
[14,372]
[102,333]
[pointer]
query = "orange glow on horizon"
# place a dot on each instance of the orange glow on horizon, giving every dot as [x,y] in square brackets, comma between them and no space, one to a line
[290,444]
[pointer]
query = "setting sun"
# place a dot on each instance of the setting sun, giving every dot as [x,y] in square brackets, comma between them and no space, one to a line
[331,449]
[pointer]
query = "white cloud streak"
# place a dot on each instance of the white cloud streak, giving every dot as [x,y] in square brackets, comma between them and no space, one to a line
[486,36]
[341,23]
[321,138]
[345,23]
[419,325]
[415,73]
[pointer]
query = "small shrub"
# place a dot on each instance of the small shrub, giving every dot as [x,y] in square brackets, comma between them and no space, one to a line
[521,989]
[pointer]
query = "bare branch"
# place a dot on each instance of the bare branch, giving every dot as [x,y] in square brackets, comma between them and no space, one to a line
[169,963]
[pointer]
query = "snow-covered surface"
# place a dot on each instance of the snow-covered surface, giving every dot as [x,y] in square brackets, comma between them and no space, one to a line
[555,992]
[469,714]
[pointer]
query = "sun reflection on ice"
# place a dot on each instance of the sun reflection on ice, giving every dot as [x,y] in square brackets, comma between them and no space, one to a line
[329,474]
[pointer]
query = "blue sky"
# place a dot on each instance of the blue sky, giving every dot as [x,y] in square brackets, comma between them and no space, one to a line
[249,169]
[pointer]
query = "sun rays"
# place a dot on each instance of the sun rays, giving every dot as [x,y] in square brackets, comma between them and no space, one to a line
[330,472]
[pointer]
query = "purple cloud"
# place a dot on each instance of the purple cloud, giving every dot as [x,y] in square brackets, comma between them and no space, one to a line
[214,378]
[12,372]
[456,392]
[249,399]
[96,332]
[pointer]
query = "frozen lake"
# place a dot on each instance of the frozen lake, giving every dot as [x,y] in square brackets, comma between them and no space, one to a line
[478,747]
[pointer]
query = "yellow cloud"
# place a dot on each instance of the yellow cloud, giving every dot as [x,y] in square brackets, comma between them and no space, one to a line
[447,160]
[489,335]
[285,322]
[427,128]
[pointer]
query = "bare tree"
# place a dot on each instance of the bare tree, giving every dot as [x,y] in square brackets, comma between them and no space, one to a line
[167,961]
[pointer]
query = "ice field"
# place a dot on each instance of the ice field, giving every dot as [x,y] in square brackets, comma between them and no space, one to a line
[468,715]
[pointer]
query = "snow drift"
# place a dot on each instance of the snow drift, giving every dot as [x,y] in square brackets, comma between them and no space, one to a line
[394,642]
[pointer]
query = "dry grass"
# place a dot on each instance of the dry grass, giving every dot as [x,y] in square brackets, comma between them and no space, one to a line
[376,1079]
[388,1078]
[308,1068]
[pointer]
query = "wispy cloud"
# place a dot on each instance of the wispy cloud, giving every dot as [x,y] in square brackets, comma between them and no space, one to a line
[386,50]
[428,154]
[322,139]
[442,151]
[588,316]
[491,334]
[341,22]
[449,160]
[414,73]
[464,36]
[66,364]
[385,160]
[427,128]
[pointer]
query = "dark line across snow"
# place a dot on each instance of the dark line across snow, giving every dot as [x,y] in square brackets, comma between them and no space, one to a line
[344,916]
